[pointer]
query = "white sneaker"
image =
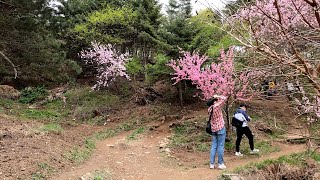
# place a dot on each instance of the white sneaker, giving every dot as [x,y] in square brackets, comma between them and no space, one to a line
[254,151]
[239,154]
[211,166]
[221,166]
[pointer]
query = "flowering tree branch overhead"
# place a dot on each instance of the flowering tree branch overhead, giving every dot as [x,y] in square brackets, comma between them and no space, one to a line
[108,62]
[213,78]
[285,36]
[286,31]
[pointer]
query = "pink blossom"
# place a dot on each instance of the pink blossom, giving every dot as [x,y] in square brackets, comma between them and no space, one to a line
[213,78]
[107,61]
[265,20]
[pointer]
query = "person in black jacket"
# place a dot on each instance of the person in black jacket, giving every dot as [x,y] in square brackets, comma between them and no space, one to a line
[242,115]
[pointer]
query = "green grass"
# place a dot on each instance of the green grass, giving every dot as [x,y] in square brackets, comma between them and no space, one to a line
[37,176]
[40,114]
[276,134]
[45,169]
[264,147]
[102,175]
[51,128]
[315,130]
[30,95]
[205,147]
[84,101]
[191,137]
[230,146]
[107,133]
[296,159]
[134,134]
[80,154]
[6,103]
[81,103]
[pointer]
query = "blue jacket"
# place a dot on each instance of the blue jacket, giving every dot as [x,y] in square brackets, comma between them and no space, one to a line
[243,112]
[242,115]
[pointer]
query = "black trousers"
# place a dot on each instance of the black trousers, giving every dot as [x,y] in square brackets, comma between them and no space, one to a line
[246,131]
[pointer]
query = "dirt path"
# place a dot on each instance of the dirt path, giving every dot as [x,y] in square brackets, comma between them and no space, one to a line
[142,159]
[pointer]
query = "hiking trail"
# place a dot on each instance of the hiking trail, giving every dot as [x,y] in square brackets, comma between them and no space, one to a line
[142,158]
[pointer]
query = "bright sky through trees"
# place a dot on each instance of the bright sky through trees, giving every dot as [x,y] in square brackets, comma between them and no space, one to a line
[199,4]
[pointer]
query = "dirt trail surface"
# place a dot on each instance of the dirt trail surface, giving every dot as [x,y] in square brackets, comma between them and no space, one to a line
[143,159]
[24,149]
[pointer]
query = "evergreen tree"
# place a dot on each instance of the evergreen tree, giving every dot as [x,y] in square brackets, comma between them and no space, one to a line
[27,40]
[148,41]
[179,31]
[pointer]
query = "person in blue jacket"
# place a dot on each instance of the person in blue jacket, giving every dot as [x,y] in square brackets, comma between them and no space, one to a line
[241,115]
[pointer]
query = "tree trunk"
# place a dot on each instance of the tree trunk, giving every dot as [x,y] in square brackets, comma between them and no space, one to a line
[145,68]
[180,93]
[227,118]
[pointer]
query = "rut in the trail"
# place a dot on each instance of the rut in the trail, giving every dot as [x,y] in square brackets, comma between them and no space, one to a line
[142,159]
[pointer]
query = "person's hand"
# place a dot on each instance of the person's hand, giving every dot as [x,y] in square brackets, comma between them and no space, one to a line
[219,97]
[216,96]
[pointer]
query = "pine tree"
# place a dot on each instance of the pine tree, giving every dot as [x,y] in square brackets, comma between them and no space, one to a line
[27,40]
[178,30]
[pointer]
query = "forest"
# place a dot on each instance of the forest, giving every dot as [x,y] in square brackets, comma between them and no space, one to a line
[118,89]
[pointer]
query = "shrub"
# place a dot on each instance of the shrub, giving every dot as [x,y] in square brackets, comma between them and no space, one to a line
[30,95]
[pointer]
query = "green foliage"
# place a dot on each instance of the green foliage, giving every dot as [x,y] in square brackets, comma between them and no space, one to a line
[37,176]
[81,104]
[230,146]
[108,25]
[191,137]
[27,40]
[107,133]
[84,102]
[135,133]
[30,95]
[40,114]
[78,155]
[44,166]
[123,127]
[6,103]
[44,171]
[102,175]
[315,129]
[159,70]
[205,147]
[134,66]
[296,159]
[207,31]
[51,128]
[225,42]
[178,32]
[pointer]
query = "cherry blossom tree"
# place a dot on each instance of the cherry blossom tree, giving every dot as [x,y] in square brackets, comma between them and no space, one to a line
[285,31]
[108,63]
[284,34]
[213,78]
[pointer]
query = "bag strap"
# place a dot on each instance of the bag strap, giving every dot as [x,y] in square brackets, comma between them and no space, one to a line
[210,116]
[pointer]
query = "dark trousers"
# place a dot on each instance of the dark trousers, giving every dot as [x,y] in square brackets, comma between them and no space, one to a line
[246,131]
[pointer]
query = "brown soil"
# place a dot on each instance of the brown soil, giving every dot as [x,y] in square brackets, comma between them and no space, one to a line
[142,159]
[23,150]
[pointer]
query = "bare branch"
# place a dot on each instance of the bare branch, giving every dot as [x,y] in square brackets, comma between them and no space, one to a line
[13,66]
